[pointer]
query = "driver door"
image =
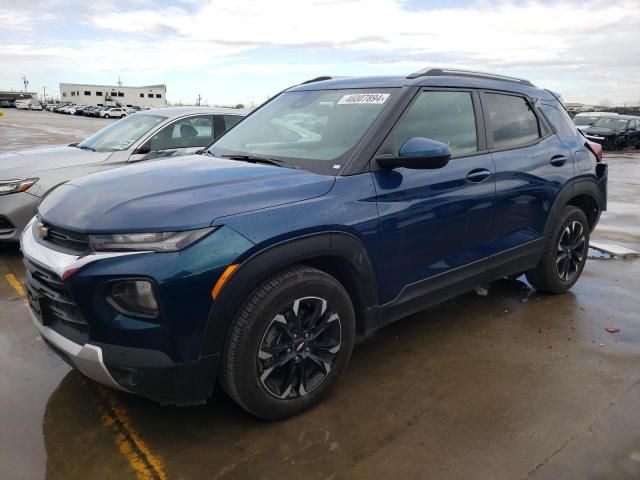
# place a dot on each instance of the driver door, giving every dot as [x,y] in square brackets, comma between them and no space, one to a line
[182,137]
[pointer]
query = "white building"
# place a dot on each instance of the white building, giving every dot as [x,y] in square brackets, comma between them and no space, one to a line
[114,95]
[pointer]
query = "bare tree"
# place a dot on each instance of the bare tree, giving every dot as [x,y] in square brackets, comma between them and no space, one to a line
[605,102]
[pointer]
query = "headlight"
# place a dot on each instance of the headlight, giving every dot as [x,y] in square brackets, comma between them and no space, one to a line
[134,298]
[155,242]
[14,186]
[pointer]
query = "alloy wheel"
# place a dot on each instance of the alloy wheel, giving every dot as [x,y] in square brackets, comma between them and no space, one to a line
[299,348]
[572,247]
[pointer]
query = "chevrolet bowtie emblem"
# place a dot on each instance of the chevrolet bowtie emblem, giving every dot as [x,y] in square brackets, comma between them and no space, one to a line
[42,231]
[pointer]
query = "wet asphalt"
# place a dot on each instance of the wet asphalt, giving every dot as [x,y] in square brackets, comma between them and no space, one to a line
[511,385]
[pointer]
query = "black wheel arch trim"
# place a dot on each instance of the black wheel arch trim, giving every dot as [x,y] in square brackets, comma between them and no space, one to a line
[342,246]
[594,188]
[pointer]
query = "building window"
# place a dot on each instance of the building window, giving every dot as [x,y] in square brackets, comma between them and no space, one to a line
[114,94]
[142,95]
[120,94]
[158,95]
[73,94]
[98,94]
[77,93]
[87,93]
[64,94]
[150,95]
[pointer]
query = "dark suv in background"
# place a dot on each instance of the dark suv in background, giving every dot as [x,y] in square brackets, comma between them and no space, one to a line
[615,133]
[336,208]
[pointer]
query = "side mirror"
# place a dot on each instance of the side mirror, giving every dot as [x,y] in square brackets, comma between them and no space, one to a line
[143,150]
[418,153]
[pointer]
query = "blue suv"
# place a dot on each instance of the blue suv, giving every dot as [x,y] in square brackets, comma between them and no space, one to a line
[334,209]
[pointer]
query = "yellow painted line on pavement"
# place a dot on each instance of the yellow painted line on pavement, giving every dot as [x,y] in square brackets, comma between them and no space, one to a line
[15,283]
[142,460]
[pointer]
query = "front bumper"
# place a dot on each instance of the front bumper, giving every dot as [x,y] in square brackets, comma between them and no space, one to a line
[160,360]
[609,142]
[16,210]
[85,358]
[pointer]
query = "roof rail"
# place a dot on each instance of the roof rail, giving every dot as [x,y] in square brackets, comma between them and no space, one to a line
[449,72]
[318,79]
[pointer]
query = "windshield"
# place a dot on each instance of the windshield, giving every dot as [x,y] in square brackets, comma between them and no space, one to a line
[584,120]
[122,134]
[612,123]
[315,130]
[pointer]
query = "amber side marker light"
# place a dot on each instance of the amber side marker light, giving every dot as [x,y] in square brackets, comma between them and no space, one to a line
[223,279]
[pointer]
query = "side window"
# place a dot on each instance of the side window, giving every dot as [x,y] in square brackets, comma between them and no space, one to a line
[230,121]
[511,120]
[447,117]
[633,125]
[186,133]
[560,121]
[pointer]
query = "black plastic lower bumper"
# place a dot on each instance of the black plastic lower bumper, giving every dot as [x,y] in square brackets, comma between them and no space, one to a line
[152,374]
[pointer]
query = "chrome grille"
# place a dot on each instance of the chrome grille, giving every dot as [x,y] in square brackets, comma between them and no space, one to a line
[76,243]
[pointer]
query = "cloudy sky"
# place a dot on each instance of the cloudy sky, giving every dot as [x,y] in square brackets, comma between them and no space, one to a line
[233,51]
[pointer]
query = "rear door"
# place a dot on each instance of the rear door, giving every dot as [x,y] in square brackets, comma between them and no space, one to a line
[532,165]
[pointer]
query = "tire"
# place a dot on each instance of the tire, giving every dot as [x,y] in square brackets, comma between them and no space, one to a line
[122,116]
[266,331]
[565,253]
[107,116]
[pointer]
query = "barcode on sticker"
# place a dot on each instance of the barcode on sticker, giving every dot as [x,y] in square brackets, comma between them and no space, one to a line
[362,98]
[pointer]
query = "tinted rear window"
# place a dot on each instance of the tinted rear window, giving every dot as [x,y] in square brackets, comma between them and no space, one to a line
[511,120]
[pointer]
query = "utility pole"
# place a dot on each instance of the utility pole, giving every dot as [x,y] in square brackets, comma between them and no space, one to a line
[199,98]
[44,94]
[26,83]
[119,81]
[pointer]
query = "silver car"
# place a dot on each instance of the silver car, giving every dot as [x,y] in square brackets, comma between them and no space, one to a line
[27,175]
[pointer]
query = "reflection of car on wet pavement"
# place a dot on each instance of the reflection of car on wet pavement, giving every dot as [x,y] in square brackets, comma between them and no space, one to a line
[615,133]
[258,263]
[27,175]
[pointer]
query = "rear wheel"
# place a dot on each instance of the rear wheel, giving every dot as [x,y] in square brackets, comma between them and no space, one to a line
[565,253]
[289,343]
[107,116]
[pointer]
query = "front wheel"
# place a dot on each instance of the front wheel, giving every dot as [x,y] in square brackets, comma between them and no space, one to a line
[122,116]
[107,116]
[289,343]
[565,253]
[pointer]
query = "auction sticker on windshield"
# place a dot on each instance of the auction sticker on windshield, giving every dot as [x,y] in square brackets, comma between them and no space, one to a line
[362,98]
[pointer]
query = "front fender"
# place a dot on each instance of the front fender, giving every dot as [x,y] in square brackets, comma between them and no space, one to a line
[270,259]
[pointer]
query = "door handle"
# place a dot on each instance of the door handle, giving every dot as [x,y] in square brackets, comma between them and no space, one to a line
[558,160]
[478,175]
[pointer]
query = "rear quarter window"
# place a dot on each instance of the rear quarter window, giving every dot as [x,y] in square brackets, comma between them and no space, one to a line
[560,121]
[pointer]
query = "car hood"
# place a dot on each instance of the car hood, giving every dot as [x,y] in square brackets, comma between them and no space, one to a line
[29,163]
[601,131]
[170,195]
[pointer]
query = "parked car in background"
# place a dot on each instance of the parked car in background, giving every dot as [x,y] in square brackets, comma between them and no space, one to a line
[258,263]
[36,106]
[27,175]
[22,105]
[113,112]
[586,119]
[6,104]
[615,132]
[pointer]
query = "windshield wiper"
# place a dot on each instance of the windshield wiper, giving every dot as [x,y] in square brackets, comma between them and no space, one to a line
[86,148]
[253,159]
